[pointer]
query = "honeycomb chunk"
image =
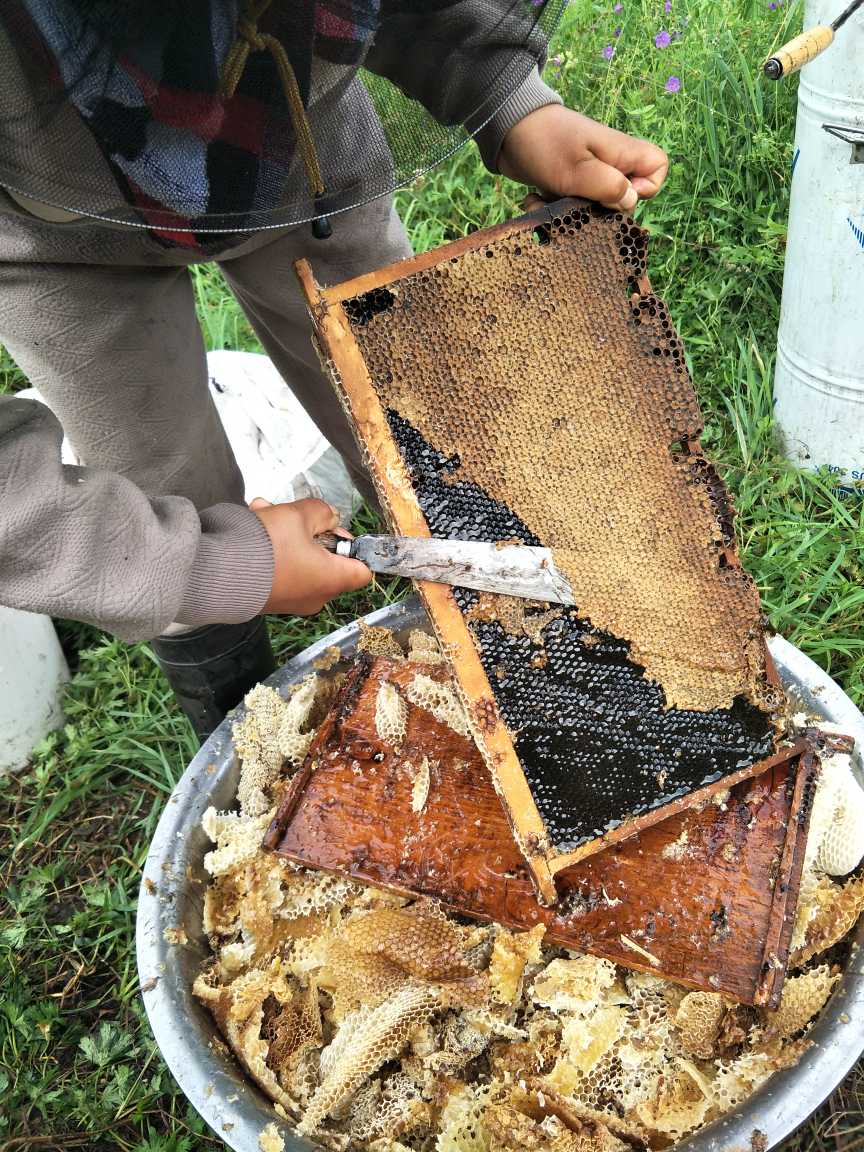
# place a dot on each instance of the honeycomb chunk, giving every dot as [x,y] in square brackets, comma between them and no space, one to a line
[366,1040]
[573,985]
[391,715]
[803,998]
[439,698]
[256,739]
[378,641]
[698,1021]
[834,912]
[423,648]
[511,951]
[429,947]
[461,1127]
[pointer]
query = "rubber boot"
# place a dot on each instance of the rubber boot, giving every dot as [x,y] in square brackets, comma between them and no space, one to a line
[212,668]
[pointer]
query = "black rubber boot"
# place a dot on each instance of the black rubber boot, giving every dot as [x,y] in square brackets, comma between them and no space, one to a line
[212,668]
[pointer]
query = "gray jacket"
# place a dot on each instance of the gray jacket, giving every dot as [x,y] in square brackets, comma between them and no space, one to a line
[84,544]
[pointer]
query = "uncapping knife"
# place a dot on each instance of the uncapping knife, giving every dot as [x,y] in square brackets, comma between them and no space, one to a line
[507,568]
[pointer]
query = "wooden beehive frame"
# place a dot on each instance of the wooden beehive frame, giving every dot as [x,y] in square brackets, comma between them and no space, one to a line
[705,898]
[343,356]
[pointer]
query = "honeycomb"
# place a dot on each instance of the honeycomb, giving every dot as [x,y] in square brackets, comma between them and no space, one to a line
[698,1021]
[680,1105]
[804,997]
[511,952]
[832,912]
[381,1024]
[525,385]
[575,984]
[378,641]
[390,1111]
[366,1039]
[391,715]
[422,782]
[440,700]
[269,1139]
[842,844]
[429,947]
[423,648]
[354,979]
[256,738]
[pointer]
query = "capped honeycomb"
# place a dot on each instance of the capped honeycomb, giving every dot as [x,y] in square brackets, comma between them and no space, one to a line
[524,385]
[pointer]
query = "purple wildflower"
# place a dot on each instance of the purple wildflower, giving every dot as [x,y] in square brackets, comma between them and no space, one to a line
[608,51]
[617,33]
[618,8]
[662,39]
[673,84]
[667,7]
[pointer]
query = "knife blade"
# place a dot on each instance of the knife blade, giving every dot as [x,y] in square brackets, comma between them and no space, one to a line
[505,568]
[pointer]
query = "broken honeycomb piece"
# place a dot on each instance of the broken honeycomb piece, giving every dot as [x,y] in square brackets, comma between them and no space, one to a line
[439,698]
[842,844]
[422,782]
[698,1020]
[392,1109]
[292,1029]
[656,684]
[256,739]
[680,1105]
[378,641]
[355,978]
[587,1041]
[575,984]
[423,648]
[237,839]
[535,1118]
[366,1039]
[270,1139]
[835,912]
[511,952]
[391,714]
[429,947]
[239,1011]
[804,996]
[460,1126]
[295,732]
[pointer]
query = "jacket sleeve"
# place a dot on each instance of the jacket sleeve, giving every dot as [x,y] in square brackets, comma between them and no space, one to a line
[470,62]
[89,545]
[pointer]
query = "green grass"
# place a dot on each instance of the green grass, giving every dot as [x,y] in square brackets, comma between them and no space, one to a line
[78,1068]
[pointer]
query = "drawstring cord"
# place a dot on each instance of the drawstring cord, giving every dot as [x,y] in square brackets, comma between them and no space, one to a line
[247,40]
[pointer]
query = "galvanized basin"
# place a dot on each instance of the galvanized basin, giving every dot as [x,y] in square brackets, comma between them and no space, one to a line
[172,896]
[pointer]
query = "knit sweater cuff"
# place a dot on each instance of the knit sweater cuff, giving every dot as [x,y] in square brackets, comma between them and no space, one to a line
[232,573]
[532,93]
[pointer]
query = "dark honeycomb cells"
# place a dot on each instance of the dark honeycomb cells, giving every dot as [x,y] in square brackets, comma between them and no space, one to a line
[594,737]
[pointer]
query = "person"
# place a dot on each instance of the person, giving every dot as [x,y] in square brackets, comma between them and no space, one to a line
[141,137]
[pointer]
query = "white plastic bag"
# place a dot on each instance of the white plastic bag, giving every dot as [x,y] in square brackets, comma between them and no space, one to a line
[278,449]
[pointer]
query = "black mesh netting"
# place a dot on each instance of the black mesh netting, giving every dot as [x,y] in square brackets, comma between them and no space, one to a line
[117,109]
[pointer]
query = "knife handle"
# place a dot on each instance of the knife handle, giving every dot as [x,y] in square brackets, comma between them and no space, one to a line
[338,545]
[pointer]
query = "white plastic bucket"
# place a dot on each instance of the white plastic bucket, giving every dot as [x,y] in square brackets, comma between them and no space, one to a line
[819,379]
[32,674]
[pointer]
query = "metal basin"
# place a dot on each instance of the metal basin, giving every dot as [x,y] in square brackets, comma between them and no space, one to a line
[172,896]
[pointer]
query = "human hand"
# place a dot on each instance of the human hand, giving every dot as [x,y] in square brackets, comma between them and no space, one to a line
[306,575]
[563,153]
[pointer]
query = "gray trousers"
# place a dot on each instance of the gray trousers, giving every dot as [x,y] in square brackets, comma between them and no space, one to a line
[102,321]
